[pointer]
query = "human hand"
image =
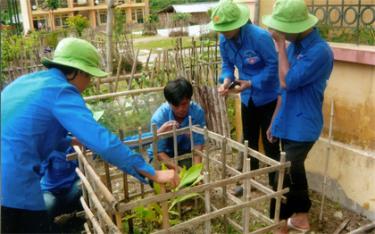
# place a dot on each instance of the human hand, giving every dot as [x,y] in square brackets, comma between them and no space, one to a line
[166,176]
[168,126]
[278,37]
[224,88]
[270,138]
[241,86]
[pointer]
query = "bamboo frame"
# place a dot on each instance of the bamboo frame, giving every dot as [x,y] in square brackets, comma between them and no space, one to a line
[124,206]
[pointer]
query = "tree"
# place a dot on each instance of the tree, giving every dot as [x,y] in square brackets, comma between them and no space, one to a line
[52,4]
[78,23]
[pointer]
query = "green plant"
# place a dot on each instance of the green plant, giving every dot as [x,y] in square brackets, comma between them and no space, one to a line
[78,23]
[119,23]
[52,4]
[152,213]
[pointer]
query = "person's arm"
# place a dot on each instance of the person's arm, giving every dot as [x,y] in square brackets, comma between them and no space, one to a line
[305,70]
[283,58]
[168,162]
[70,110]
[270,138]
[227,70]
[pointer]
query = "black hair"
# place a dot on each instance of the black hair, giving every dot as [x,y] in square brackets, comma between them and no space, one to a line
[64,69]
[176,90]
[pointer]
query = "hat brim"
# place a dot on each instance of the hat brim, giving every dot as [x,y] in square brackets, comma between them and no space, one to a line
[243,19]
[290,27]
[93,71]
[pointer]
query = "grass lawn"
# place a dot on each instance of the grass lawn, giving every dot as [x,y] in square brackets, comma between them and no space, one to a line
[167,43]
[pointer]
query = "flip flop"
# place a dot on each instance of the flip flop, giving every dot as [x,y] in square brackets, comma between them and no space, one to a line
[292,226]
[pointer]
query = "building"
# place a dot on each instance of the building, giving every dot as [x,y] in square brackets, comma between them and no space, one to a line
[198,12]
[37,16]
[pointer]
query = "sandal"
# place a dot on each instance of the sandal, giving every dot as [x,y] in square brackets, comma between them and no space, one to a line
[292,226]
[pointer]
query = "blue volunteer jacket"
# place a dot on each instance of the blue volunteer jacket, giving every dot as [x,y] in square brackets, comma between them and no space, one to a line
[253,53]
[163,114]
[300,115]
[35,111]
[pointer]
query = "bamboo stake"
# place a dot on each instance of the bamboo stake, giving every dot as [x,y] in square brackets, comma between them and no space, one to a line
[279,187]
[164,208]
[223,176]
[327,161]
[91,217]
[123,93]
[121,207]
[246,189]
[133,69]
[206,143]
[126,190]
[98,183]
[87,229]
[191,139]
[97,204]
[141,152]
[118,73]
[214,214]
[207,202]
[363,229]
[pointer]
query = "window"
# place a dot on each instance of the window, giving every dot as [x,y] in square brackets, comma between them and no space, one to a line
[98,2]
[60,21]
[37,4]
[63,3]
[40,23]
[137,15]
[140,16]
[102,17]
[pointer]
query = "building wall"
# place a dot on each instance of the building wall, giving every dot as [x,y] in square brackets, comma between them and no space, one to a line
[136,12]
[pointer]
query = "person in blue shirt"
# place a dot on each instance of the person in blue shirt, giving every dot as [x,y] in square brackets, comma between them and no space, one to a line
[60,184]
[176,111]
[304,68]
[251,50]
[37,112]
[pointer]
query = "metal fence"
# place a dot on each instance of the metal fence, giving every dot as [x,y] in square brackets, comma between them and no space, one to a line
[357,16]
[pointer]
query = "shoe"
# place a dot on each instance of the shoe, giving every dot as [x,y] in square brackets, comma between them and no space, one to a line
[238,191]
[292,226]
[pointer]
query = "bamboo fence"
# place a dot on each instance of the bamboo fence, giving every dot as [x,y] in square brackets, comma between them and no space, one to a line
[105,210]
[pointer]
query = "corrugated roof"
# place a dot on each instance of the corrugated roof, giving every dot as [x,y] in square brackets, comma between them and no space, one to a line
[190,8]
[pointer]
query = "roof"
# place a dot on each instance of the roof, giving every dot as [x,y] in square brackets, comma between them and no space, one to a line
[189,8]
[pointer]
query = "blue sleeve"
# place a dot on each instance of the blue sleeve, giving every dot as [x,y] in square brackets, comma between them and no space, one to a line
[266,49]
[307,67]
[200,119]
[72,113]
[227,67]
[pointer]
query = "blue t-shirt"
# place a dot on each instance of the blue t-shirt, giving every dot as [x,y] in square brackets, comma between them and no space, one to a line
[58,173]
[253,53]
[37,110]
[300,115]
[164,114]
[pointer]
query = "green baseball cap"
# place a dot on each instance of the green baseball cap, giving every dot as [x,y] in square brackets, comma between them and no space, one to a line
[228,16]
[290,16]
[77,53]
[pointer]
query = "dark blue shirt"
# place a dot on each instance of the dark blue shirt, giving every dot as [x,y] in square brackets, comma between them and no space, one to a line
[164,114]
[253,53]
[58,172]
[300,116]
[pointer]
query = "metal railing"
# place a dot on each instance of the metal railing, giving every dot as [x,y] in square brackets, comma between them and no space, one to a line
[357,17]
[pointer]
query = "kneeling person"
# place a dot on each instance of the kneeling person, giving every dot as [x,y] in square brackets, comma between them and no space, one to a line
[176,111]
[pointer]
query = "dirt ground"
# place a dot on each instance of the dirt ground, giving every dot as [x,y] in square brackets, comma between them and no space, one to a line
[333,216]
